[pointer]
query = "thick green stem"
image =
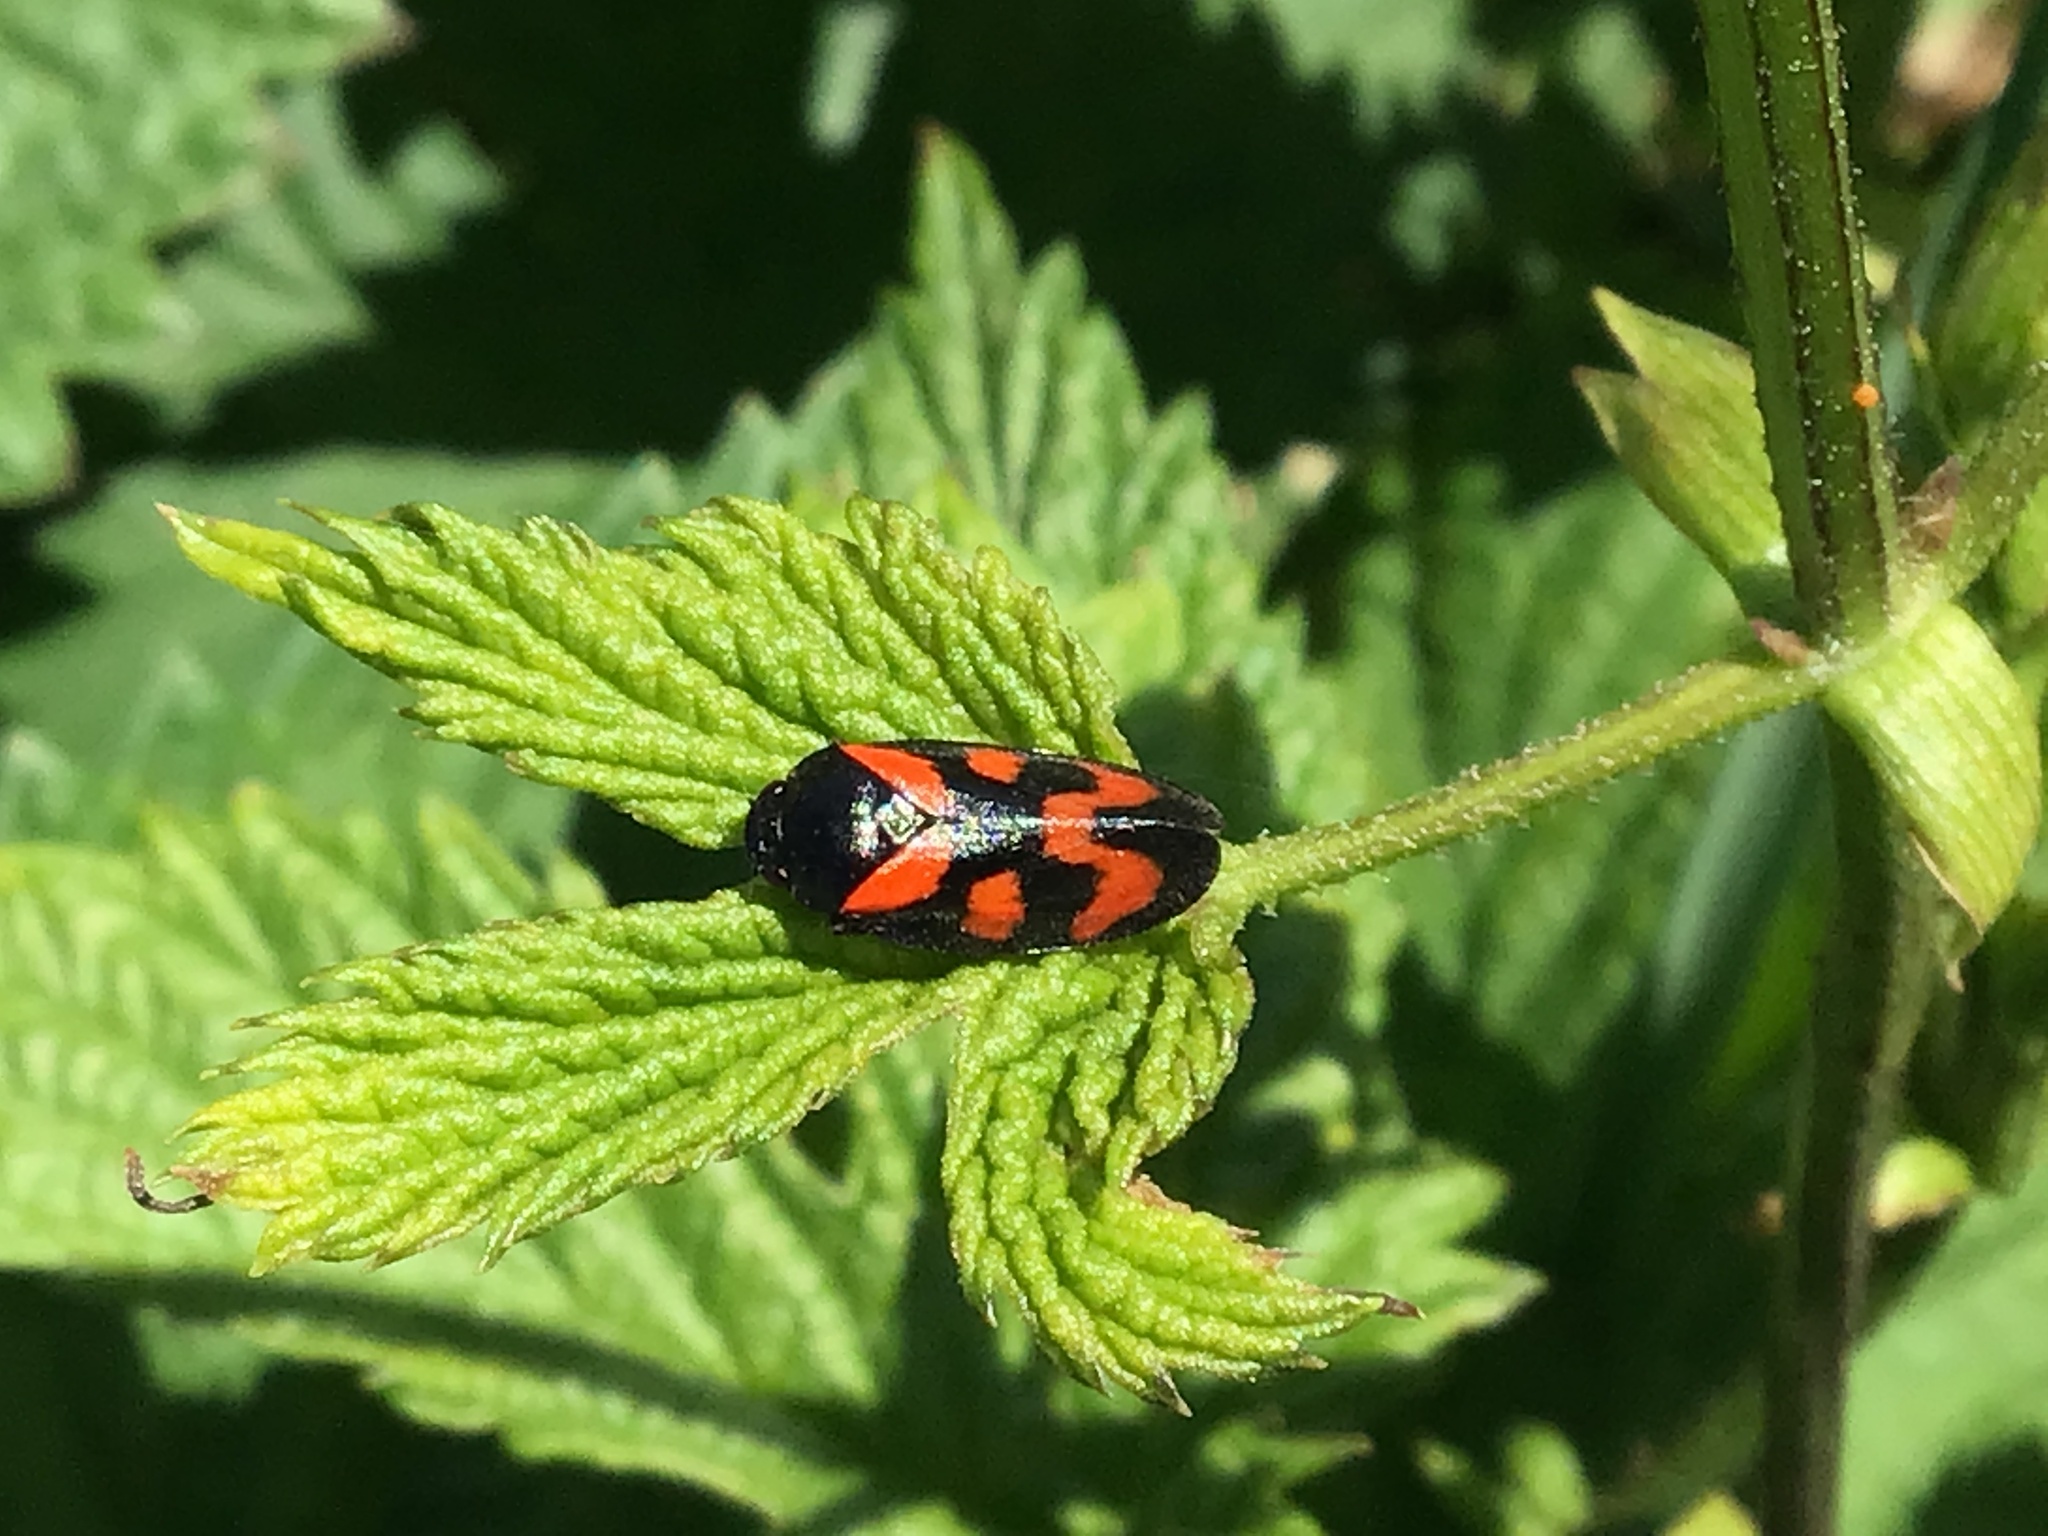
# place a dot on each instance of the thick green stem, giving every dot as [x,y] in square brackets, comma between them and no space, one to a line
[1705,702]
[1868,1001]
[1775,78]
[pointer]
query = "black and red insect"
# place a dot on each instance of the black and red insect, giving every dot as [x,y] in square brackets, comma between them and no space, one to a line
[982,849]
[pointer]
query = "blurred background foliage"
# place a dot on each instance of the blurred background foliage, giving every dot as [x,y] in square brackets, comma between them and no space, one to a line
[510,246]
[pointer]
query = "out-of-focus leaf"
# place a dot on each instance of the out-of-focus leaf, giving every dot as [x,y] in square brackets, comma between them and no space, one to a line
[273,282]
[1953,1372]
[126,122]
[1399,60]
[1617,73]
[851,47]
[1400,1231]
[1994,325]
[1715,1514]
[1919,1177]
[1541,1488]
[1537,625]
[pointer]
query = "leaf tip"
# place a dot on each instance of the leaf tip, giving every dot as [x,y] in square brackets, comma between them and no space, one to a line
[1166,1394]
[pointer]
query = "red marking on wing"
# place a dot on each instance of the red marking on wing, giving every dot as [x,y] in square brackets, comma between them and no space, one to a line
[1125,882]
[995,906]
[909,875]
[998,763]
[911,776]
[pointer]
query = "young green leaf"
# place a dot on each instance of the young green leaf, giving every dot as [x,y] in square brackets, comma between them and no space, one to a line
[676,681]
[1954,741]
[1068,1075]
[530,1071]
[1686,428]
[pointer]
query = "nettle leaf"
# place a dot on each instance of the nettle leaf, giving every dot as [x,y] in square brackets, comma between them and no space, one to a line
[192,696]
[1001,380]
[275,280]
[125,123]
[675,682]
[531,1071]
[521,1075]
[1064,1080]
[654,1335]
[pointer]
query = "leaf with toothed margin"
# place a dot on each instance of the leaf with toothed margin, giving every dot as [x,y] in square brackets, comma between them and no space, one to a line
[532,1070]
[1070,1073]
[674,681]
[670,1334]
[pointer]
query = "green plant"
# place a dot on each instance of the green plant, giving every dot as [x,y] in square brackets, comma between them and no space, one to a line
[776,1328]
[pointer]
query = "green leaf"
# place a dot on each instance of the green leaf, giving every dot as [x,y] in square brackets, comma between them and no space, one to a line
[1064,1079]
[1400,1231]
[530,1072]
[1537,625]
[273,282]
[1686,428]
[1540,1490]
[124,126]
[848,53]
[526,1073]
[1994,326]
[676,681]
[1954,742]
[1950,1375]
[999,380]
[196,695]
[1399,60]
[2002,508]
[653,1335]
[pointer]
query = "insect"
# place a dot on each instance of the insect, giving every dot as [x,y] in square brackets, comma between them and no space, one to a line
[982,849]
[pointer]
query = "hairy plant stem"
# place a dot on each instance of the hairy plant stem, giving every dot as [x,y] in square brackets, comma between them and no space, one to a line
[1705,702]
[1869,997]
[1775,79]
